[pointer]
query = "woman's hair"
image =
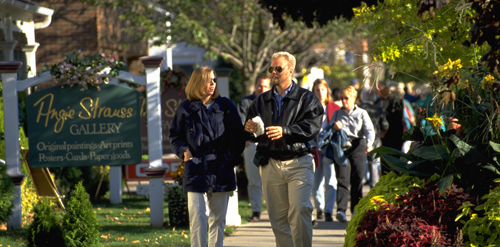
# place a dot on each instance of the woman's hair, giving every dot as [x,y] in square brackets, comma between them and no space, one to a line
[289,58]
[349,90]
[196,85]
[322,82]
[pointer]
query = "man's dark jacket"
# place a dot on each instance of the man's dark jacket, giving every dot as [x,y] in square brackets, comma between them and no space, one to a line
[301,117]
[216,146]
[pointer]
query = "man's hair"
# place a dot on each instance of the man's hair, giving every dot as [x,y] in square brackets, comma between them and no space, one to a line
[289,58]
[322,82]
[262,77]
[199,78]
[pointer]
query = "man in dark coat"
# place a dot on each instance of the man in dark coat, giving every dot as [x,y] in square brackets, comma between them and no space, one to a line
[291,119]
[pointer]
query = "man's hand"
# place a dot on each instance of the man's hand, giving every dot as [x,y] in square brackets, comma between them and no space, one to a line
[274,132]
[250,126]
[187,155]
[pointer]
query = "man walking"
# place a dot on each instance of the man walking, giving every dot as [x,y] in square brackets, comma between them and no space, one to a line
[291,119]
[262,84]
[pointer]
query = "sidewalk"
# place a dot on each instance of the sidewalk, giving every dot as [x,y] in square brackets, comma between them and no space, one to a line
[260,234]
[327,234]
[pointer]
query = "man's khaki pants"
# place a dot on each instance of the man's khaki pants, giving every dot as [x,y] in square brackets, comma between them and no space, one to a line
[287,187]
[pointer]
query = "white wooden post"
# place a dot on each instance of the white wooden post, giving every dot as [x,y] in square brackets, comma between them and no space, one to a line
[115,184]
[155,171]
[11,136]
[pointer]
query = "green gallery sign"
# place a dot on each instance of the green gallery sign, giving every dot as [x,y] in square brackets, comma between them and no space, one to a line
[70,127]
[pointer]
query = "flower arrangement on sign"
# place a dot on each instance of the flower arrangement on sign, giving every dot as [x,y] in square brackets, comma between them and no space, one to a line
[173,78]
[84,71]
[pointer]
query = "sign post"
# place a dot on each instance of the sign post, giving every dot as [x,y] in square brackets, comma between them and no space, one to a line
[11,136]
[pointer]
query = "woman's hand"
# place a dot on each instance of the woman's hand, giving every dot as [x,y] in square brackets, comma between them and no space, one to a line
[187,155]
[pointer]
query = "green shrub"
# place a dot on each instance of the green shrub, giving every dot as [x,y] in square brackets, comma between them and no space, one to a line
[177,206]
[80,226]
[483,227]
[45,229]
[6,194]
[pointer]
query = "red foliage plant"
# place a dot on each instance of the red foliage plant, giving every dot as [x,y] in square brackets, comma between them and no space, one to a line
[424,218]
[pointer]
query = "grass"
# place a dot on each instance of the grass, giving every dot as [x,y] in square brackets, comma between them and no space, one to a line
[128,224]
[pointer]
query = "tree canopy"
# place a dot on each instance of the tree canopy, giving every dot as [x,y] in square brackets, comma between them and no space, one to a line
[312,11]
[412,34]
[240,31]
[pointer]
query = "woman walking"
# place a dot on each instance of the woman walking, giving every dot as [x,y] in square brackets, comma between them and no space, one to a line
[207,134]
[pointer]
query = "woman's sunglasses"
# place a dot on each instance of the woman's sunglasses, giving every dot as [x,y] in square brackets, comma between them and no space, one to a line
[214,79]
[278,69]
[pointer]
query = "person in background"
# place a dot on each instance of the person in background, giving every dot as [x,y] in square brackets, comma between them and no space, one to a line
[359,128]
[262,84]
[391,102]
[336,96]
[290,117]
[410,94]
[368,96]
[355,83]
[207,134]
[324,189]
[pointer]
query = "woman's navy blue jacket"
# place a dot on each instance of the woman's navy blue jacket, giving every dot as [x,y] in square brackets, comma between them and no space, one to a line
[215,137]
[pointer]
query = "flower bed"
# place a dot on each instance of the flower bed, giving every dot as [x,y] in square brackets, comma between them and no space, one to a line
[443,191]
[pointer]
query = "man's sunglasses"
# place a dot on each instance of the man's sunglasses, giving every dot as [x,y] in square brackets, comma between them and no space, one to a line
[278,69]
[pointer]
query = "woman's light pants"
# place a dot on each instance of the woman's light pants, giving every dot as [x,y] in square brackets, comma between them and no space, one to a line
[324,189]
[207,214]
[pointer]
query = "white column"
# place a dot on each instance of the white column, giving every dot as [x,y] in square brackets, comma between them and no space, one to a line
[11,135]
[30,51]
[115,184]
[7,48]
[155,171]
[223,80]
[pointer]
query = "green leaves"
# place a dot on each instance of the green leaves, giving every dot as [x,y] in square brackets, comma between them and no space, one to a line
[435,152]
[443,153]
[406,42]
[444,183]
